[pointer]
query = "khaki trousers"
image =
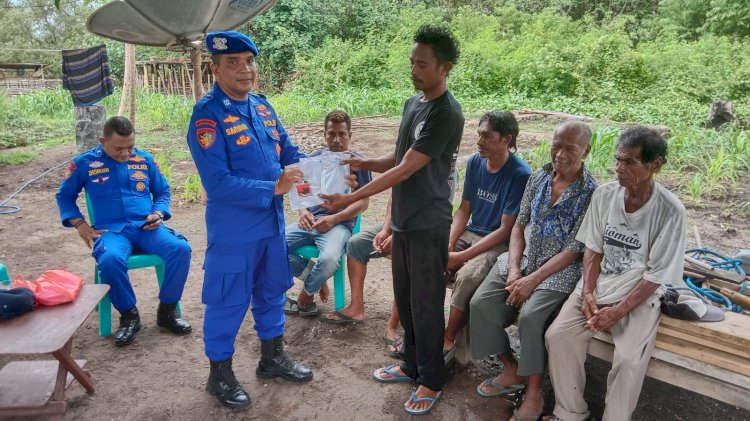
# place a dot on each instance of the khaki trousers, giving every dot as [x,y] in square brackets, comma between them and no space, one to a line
[567,342]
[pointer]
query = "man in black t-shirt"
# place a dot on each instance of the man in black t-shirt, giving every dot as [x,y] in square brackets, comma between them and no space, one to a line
[426,149]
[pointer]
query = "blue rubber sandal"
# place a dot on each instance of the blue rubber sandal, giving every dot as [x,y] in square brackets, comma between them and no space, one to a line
[395,377]
[415,399]
[498,388]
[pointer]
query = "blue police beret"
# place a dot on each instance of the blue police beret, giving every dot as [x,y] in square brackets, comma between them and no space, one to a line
[229,42]
[14,302]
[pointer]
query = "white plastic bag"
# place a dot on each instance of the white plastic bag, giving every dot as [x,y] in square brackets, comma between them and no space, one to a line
[306,193]
[333,174]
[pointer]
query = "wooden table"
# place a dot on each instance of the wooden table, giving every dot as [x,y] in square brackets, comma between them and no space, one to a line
[38,387]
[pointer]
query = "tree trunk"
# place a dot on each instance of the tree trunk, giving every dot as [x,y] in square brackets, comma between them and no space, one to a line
[133,82]
[195,61]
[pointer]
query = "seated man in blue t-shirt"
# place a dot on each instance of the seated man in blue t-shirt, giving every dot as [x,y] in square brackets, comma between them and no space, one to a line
[329,231]
[493,187]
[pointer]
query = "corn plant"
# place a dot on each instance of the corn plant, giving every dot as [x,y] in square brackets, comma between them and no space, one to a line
[191,188]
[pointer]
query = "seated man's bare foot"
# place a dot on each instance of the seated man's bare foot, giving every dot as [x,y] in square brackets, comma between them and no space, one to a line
[531,407]
[347,314]
[304,298]
[448,345]
[505,379]
[324,292]
[422,392]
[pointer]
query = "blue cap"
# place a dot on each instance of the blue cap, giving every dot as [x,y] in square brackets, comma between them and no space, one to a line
[226,42]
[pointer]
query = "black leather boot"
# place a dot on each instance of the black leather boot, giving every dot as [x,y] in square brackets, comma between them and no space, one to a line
[274,362]
[130,323]
[223,385]
[168,317]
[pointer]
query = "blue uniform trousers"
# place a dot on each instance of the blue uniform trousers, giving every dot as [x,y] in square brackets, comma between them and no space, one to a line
[112,250]
[237,275]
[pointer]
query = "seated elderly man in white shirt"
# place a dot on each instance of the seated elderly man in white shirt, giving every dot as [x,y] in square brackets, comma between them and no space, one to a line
[634,233]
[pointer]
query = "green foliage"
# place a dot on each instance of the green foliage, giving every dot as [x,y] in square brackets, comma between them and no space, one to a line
[39,25]
[17,157]
[165,165]
[191,188]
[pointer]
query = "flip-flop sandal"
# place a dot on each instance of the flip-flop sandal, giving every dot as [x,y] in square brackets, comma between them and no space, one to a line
[415,399]
[397,343]
[499,389]
[290,306]
[449,355]
[342,319]
[308,310]
[519,417]
[395,377]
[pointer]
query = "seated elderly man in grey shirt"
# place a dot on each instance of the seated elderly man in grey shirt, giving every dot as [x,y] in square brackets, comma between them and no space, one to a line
[538,273]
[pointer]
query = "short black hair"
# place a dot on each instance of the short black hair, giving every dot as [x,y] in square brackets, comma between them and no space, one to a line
[338,116]
[652,144]
[444,44]
[119,125]
[504,123]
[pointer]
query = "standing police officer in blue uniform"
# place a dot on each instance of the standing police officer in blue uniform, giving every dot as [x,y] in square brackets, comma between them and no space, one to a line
[240,147]
[120,181]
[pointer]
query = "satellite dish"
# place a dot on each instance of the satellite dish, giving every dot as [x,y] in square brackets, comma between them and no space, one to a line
[175,24]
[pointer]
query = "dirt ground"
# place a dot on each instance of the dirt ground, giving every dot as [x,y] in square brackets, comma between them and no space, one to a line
[161,376]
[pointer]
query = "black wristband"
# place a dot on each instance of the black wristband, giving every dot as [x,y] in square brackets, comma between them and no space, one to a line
[78,224]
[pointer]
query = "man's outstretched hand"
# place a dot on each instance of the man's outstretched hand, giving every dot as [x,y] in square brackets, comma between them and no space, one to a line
[334,202]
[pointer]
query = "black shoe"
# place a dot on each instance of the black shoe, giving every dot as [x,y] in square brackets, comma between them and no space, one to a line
[130,323]
[222,384]
[275,363]
[168,317]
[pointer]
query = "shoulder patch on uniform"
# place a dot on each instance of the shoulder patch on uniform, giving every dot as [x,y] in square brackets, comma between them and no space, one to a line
[71,169]
[205,122]
[206,137]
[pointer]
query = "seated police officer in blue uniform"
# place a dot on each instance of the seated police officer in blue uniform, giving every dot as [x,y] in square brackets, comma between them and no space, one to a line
[239,148]
[120,181]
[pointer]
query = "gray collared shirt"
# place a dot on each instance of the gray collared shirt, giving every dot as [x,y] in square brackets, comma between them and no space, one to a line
[552,229]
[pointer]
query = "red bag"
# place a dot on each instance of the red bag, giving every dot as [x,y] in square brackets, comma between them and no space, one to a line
[52,287]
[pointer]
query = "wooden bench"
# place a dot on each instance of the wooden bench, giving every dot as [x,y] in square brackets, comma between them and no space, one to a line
[712,359]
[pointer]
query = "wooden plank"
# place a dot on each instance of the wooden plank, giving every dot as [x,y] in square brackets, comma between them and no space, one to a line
[29,384]
[704,354]
[730,348]
[722,274]
[705,379]
[728,285]
[734,329]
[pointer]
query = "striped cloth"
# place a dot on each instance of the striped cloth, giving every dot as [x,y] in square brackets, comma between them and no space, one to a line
[86,75]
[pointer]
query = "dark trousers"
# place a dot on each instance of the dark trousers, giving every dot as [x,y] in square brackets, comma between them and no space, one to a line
[419,259]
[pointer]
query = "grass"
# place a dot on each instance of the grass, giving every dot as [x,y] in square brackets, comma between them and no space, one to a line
[702,164]
[191,188]
[17,157]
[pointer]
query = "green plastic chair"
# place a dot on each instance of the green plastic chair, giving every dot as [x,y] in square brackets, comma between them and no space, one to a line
[4,276]
[339,278]
[137,261]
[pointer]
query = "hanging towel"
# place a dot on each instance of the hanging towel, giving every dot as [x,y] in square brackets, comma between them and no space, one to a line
[86,75]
